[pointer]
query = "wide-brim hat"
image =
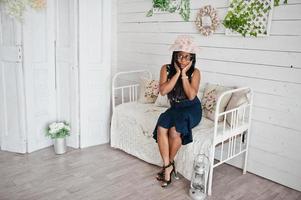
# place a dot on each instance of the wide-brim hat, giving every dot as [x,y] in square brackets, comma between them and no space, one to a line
[185,43]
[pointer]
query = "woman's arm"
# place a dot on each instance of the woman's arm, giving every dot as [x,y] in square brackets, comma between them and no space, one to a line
[191,89]
[165,85]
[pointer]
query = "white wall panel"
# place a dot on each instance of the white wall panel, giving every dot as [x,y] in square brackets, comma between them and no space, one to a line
[268,58]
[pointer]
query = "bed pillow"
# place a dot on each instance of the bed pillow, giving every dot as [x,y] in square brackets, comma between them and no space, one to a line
[149,90]
[210,97]
[237,99]
[162,101]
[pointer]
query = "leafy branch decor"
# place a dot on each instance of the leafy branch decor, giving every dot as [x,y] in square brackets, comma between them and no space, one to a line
[181,6]
[248,17]
[16,8]
[277,2]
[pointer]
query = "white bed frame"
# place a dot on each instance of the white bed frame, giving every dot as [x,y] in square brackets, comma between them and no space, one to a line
[232,134]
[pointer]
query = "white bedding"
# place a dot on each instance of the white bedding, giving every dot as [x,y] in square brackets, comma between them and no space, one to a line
[132,127]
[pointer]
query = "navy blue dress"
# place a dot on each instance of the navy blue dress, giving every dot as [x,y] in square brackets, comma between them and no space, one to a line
[184,114]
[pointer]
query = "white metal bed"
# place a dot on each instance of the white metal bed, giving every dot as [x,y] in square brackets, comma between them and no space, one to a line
[229,140]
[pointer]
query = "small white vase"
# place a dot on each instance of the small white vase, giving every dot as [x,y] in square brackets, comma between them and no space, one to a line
[60,145]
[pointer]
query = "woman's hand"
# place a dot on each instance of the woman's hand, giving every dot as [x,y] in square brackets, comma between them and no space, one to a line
[185,69]
[177,68]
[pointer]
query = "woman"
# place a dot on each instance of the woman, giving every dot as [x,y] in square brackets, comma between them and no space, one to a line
[180,81]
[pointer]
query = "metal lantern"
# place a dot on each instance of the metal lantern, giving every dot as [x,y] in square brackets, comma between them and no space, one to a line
[198,186]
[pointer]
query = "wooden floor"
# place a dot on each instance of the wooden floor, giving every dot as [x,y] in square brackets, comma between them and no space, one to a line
[101,172]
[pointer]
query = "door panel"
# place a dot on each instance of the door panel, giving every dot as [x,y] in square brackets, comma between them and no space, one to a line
[95,71]
[12,113]
[67,67]
[39,74]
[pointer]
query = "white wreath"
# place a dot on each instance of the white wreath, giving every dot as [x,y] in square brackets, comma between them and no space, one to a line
[207,20]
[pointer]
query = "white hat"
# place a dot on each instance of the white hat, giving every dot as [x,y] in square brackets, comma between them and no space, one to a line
[185,43]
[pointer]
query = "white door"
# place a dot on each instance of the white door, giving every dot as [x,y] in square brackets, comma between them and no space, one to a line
[12,113]
[40,80]
[66,67]
[95,71]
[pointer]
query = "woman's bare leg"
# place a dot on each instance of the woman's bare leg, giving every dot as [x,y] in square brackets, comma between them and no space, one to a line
[162,138]
[175,142]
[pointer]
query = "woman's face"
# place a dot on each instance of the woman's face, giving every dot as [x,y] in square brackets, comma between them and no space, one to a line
[183,59]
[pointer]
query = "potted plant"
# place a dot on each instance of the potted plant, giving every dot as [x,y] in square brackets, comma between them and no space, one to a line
[59,131]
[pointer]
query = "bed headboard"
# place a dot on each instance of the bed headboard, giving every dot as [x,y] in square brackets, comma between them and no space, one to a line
[128,91]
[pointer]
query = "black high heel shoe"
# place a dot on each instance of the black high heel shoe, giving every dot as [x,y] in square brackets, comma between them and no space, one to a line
[160,175]
[165,182]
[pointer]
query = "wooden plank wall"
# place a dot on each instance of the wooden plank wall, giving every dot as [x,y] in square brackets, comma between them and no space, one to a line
[270,65]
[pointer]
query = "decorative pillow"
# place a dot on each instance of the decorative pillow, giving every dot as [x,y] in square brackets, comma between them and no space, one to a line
[149,90]
[237,99]
[209,100]
[162,101]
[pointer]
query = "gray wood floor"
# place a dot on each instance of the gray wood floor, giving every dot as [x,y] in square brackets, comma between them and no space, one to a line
[101,172]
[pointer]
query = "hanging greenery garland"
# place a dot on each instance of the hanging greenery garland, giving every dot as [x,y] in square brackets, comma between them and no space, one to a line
[249,17]
[182,6]
[207,20]
[16,8]
[277,2]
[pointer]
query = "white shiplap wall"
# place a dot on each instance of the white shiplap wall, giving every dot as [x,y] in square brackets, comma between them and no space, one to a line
[270,65]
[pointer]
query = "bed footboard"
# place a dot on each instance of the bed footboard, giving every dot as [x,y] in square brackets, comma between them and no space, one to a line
[231,135]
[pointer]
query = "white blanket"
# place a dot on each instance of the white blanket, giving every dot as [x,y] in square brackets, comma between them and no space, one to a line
[132,128]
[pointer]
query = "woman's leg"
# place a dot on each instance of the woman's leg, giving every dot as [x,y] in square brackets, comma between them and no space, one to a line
[162,139]
[175,142]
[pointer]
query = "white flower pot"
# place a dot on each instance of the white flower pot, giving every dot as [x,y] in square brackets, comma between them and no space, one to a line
[60,145]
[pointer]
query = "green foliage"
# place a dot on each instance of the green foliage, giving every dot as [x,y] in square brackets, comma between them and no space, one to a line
[167,6]
[244,17]
[62,134]
[58,130]
[16,8]
[277,2]
[161,4]
[185,9]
